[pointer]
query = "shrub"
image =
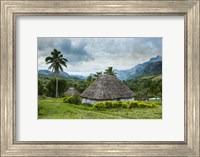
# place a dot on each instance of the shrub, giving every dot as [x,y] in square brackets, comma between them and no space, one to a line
[158,103]
[125,105]
[142,104]
[99,105]
[151,105]
[116,104]
[119,104]
[72,100]
[129,106]
[41,96]
[134,103]
[108,104]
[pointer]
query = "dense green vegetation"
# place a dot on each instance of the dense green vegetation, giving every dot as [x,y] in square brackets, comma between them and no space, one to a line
[56,63]
[72,99]
[127,105]
[70,107]
[47,86]
[145,87]
[55,108]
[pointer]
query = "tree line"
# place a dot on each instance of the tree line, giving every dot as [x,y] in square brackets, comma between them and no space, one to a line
[55,87]
[143,88]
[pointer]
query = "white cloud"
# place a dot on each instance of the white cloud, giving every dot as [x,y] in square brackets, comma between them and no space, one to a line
[88,55]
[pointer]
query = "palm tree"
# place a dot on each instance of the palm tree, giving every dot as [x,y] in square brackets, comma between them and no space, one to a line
[56,62]
[110,71]
[97,74]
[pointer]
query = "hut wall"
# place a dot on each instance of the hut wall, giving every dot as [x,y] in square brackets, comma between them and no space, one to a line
[89,101]
[127,100]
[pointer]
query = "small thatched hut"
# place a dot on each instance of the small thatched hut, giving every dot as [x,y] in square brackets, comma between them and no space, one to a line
[71,92]
[107,87]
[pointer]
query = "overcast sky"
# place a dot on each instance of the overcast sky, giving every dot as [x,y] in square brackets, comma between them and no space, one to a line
[89,55]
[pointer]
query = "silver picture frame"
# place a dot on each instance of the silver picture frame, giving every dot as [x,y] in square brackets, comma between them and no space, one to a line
[11,9]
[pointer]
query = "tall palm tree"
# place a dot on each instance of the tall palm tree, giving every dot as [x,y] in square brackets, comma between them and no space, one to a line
[97,74]
[56,62]
[110,71]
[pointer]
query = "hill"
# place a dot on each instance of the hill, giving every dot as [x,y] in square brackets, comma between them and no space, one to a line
[151,67]
[47,73]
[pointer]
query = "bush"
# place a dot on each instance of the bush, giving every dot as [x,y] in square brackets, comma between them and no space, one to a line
[108,104]
[41,96]
[125,105]
[151,105]
[119,104]
[134,103]
[116,104]
[99,105]
[72,100]
[142,104]
[157,103]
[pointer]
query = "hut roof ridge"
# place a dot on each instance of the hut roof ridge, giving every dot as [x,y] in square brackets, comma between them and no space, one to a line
[107,87]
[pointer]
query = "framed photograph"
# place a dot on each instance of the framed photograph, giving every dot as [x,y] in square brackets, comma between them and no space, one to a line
[99,78]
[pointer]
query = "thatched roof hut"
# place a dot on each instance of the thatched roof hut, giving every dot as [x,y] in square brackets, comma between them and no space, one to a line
[107,87]
[71,91]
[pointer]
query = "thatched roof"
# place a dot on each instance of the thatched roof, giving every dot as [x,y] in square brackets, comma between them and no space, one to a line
[71,91]
[107,87]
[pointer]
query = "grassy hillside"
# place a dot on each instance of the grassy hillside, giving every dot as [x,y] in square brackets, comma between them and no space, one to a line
[52,108]
[157,78]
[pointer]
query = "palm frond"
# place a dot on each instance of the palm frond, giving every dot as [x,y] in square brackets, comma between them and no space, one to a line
[56,61]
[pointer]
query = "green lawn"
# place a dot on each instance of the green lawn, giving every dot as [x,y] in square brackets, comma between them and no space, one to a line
[52,108]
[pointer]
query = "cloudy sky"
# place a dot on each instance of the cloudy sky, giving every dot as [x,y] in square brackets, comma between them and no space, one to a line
[89,55]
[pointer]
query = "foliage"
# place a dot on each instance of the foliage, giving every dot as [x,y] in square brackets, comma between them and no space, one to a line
[99,105]
[51,86]
[46,86]
[56,62]
[41,87]
[72,100]
[142,104]
[90,79]
[146,87]
[134,103]
[54,108]
[110,71]
[97,74]
[120,104]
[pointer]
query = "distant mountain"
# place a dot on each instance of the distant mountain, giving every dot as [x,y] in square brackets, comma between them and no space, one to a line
[47,73]
[78,77]
[151,67]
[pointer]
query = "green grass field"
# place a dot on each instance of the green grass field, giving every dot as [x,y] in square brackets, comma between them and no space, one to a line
[52,108]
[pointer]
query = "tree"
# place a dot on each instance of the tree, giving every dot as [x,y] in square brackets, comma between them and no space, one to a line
[51,86]
[90,80]
[41,87]
[110,71]
[56,62]
[97,74]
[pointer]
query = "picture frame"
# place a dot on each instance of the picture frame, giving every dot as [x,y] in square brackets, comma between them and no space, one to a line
[10,10]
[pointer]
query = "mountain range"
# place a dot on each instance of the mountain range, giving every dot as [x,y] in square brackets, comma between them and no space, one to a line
[47,73]
[151,67]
